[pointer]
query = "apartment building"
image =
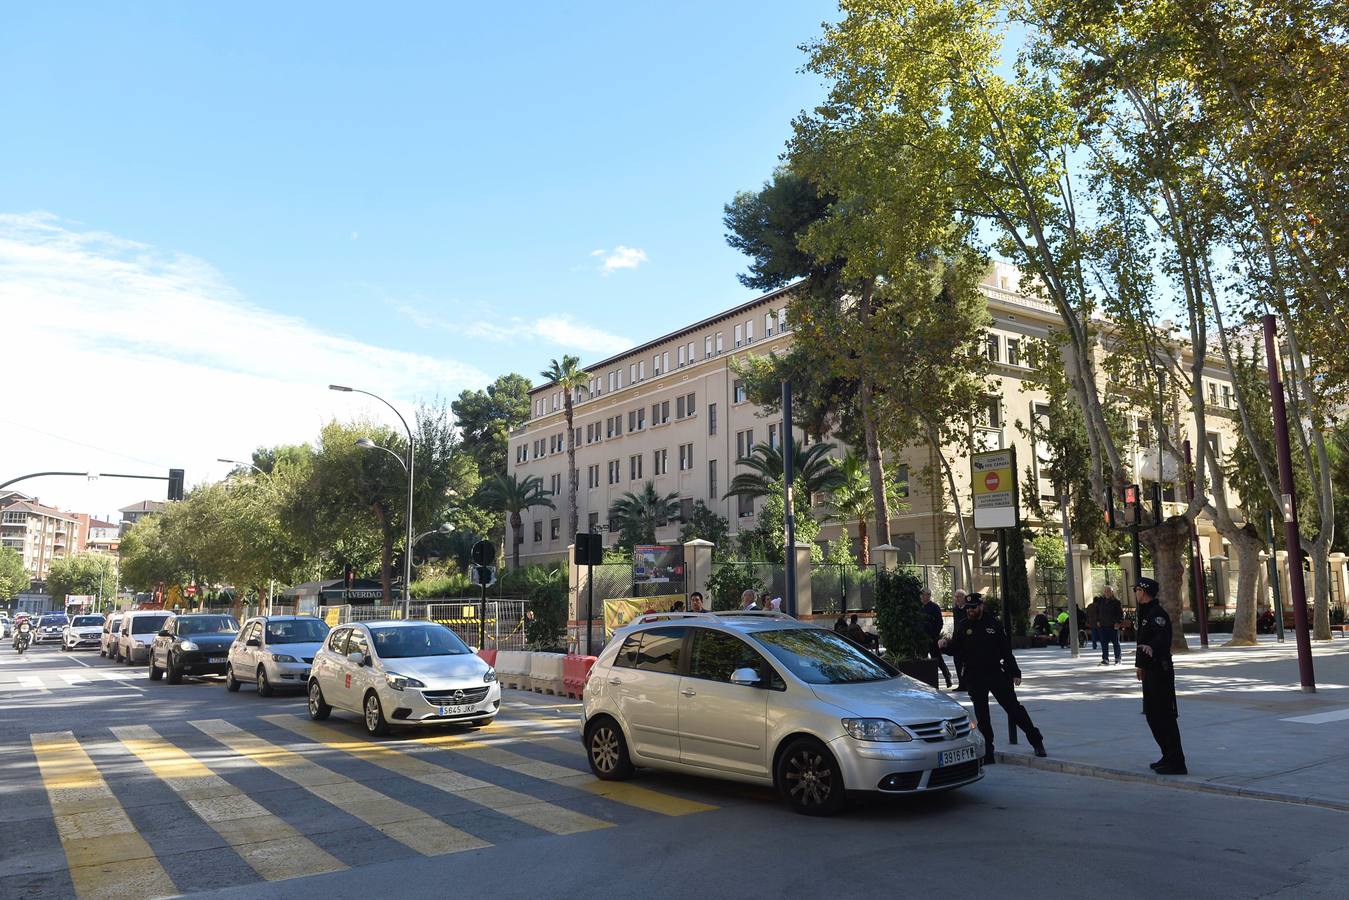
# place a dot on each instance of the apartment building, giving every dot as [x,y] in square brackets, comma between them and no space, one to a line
[39,533]
[673,412]
[133,513]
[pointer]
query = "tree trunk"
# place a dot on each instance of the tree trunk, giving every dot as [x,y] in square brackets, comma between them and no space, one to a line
[1321,591]
[1168,543]
[572,476]
[1246,547]
[863,542]
[385,552]
[875,468]
[517,522]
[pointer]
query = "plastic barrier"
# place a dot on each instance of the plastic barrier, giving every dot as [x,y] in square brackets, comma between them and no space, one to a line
[545,672]
[513,669]
[489,656]
[575,671]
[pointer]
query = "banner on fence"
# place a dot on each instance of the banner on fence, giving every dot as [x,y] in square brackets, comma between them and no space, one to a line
[620,612]
[657,563]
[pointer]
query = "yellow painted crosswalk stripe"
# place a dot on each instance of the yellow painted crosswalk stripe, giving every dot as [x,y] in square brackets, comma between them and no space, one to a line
[530,810]
[107,857]
[406,824]
[270,845]
[617,791]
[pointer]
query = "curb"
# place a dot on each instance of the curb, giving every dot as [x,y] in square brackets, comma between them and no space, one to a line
[1200,787]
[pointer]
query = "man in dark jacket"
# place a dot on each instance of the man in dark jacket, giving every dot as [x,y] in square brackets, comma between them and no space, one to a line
[1094,619]
[1153,667]
[990,668]
[1112,613]
[932,623]
[958,622]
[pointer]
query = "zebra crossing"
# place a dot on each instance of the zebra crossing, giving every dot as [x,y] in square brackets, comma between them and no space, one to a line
[279,797]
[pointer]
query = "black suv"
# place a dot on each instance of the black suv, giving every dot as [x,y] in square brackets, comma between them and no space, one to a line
[196,644]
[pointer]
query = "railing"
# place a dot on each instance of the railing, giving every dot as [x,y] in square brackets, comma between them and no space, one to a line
[504,628]
[837,588]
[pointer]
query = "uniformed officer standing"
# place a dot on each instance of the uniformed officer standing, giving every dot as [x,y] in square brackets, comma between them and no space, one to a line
[990,668]
[1153,667]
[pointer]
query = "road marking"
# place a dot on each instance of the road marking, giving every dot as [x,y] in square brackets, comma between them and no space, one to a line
[107,857]
[530,810]
[30,681]
[1334,715]
[406,824]
[270,845]
[74,678]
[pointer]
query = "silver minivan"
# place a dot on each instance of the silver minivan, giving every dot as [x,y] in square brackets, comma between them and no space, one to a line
[763,698]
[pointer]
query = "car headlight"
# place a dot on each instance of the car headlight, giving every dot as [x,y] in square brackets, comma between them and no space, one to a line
[136,643]
[490,675]
[875,730]
[187,645]
[401,682]
[282,657]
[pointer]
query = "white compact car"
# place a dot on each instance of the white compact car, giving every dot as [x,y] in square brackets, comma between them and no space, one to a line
[402,673]
[765,699]
[274,652]
[112,630]
[139,628]
[83,633]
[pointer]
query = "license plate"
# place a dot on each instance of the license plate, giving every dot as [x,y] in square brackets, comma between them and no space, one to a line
[951,757]
[216,659]
[455,710]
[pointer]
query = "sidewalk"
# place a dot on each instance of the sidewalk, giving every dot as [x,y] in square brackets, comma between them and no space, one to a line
[1248,728]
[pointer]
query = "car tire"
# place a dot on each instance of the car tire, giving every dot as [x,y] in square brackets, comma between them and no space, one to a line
[264,686]
[373,716]
[156,672]
[607,750]
[175,674]
[809,778]
[231,683]
[318,709]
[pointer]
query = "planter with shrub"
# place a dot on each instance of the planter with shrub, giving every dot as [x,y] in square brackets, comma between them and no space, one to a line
[899,620]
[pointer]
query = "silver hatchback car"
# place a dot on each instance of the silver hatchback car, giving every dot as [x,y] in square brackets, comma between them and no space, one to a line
[765,699]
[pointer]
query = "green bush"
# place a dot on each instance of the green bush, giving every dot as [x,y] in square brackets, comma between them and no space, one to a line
[899,614]
[451,584]
[727,583]
[1048,551]
[546,619]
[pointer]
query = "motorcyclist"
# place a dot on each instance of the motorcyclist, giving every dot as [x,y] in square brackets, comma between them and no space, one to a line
[23,634]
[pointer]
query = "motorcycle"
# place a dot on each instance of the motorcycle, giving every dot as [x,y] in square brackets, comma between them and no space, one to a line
[25,636]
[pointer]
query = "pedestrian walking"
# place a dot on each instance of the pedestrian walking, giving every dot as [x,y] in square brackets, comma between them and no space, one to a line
[932,624]
[1154,668]
[1112,613]
[1094,619]
[957,623]
[990,668]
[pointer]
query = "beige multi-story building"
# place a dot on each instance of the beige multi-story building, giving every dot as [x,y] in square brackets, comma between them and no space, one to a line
[39,533]
[673,412]
[136,511]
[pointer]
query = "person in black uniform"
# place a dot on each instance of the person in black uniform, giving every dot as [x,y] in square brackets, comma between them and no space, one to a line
[990,668]
[932,625]
[1153,667]
[957,624]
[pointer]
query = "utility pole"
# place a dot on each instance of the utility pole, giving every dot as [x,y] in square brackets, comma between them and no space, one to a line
[1292,538]
[789,476]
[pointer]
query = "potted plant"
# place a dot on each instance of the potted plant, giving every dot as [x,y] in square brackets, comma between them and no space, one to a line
[899,620]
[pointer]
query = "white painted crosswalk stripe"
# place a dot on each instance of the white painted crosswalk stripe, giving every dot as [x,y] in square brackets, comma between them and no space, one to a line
[30,681]
[1334,715]
[74,678]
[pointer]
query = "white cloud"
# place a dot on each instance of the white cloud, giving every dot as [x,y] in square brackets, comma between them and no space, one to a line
[555,330]
[564,332]
[154,356]
[619,258]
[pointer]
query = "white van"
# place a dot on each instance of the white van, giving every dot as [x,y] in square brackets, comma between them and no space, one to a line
[139,628]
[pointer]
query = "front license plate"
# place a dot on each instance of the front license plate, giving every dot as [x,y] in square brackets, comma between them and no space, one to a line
[216,659]
[455,710]
[951,757]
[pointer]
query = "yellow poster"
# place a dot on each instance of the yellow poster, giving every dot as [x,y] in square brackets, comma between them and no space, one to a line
[333,616]
[620,612]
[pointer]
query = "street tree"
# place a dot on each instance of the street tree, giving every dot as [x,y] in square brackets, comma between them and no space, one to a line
[485,419]
[86,574]
[811,467]
[638,515]
[13,576]
[570,378]
[510,496]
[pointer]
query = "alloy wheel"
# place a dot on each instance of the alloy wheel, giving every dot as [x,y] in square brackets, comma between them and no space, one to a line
[371,712]
[809,778]
[604,749]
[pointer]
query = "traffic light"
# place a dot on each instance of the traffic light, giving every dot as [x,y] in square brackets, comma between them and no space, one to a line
[484,553]
[175,484]
[589,549]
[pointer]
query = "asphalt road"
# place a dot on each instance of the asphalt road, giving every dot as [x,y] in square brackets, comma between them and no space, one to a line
[111,785]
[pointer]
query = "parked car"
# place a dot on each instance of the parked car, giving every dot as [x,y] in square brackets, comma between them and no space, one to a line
[139,628]
[193,644]
[274,652]
[49,628]
[111,631]
[765,699]
[402,673]
[83,633]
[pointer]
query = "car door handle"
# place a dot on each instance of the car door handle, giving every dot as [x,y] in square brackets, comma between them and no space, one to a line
[615,680]
[688,693]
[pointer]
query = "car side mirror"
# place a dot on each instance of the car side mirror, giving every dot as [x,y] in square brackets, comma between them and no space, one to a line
[745,676]
[358,658]
[252,642]
[164,632]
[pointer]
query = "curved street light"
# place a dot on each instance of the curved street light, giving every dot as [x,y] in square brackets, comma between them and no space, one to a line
[240,462]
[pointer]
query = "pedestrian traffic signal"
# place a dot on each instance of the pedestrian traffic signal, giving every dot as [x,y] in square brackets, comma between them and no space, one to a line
[1131,495]
[175,484]
[484,553]
[589,549]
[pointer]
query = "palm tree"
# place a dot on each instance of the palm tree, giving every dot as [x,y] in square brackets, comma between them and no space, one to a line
[639,515]
[811,468]
[506,493]
[852,500]
[569,376]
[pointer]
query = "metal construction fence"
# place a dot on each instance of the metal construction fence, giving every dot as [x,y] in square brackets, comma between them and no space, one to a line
[837,588]
[504,626]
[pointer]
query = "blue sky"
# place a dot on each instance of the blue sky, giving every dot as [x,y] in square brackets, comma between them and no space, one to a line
[427,184]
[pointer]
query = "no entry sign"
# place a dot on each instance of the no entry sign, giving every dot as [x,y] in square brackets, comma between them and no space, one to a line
[993,479]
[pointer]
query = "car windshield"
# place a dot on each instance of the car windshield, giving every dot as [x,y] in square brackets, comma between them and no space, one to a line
[817,656]
[207,625]
[53,620]
[405,641]
[148,624]
[296,631]
[86,622]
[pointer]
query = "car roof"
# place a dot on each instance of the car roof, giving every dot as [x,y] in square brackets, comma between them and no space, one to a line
[286,618]
[740,621]
[385,623]
[203,615]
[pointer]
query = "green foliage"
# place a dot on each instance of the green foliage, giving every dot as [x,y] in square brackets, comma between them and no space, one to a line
[1049,552]
[767,541]
[768,225]
[811,467]
[508,494]
[13,576]
[486,418]
[570,377]
[546,620]
[705,524]
[638,515]
[450,584]
[519,582]
[1018,585]
[899,614]
[728,582]
[87,574]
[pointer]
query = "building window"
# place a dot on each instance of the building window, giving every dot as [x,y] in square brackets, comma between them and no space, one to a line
[634,467]
[685,457]
[1227,396]
[614,472]
[665,361]
[990,413]
[712,480]
[739,335]
[690,352]
[593,522]
[738,390]
[1013,352]
[538,531]
[768,325]
[636,419]
[613,383]
[902,481]
[632,373]
[744,443]
[660,412]
[720,346]
[554,528]
[993,348]
[707,346]
[1212,394]
[782,319]
[679,407]
[655,365]
[660,462]
[744,506]
[682,357]
[711,418]
[641,370]
[556,484]
[594,476]
[685,509]
[749,331]
[773,436]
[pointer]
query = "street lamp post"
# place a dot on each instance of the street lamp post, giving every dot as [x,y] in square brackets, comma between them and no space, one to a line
[408,465]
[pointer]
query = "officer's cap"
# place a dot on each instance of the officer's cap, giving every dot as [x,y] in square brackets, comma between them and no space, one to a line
[973,600]
[1149,586]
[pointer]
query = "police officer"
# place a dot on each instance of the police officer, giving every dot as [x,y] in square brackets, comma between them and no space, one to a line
[990,669]
[1153,667]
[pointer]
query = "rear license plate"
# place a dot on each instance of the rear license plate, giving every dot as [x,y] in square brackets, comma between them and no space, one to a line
[951,757]
[455,710]
[216,659]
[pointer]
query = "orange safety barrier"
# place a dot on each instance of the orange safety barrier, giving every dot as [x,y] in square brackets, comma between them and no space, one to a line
[489,656]
[575,671]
